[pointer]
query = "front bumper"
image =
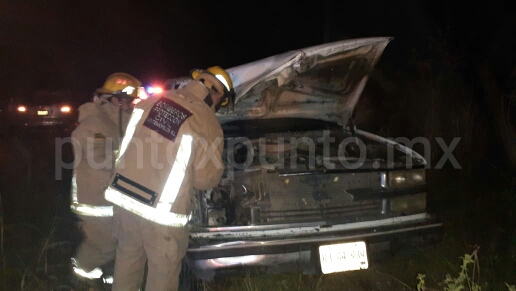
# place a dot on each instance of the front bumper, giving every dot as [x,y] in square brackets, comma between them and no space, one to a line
[42,122]
[220,251]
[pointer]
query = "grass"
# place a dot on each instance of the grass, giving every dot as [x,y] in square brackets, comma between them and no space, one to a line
[33,256]
[467,278]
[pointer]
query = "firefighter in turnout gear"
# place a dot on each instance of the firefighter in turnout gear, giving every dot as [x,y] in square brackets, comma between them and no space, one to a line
[173,144]
[95,140]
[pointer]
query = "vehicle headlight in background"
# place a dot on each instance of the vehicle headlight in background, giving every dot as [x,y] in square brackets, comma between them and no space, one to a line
[66,109]
[21,108]
[409,204]
[404,178]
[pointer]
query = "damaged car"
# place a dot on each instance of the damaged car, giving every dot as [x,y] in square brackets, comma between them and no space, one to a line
[304,190]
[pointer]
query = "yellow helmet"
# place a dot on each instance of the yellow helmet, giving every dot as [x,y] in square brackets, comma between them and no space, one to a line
[224,78]
[219,73]
[120,83]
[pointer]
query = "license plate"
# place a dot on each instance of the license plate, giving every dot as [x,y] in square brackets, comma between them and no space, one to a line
[42,112]
[343,257]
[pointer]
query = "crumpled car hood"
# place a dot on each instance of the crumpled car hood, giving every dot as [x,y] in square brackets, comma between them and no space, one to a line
[320,82]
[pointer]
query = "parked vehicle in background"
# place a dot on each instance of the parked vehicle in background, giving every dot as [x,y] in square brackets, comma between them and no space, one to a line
[44,109]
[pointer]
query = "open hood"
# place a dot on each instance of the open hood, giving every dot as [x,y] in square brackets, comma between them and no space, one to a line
[321,82]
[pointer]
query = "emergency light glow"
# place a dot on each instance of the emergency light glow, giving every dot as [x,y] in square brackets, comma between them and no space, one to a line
[142,94]
[22,109]
[154,90]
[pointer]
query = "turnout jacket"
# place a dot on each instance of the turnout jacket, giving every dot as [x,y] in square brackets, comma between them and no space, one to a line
[173,144]
[95,141]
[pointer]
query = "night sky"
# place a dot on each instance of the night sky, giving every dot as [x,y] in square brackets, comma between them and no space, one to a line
[58,44]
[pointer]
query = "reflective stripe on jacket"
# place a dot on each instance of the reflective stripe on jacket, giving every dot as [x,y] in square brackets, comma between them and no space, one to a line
[86,209]
[173,143]
[94,142]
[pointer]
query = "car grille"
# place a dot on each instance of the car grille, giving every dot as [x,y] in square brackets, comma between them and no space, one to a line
[358,212]
[316,197]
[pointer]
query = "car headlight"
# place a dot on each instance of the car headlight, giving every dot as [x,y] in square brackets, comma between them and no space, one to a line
[404,178]
[21,108]
[409,204]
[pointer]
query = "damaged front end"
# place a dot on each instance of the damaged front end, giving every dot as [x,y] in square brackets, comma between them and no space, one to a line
[301,183]
[286,193]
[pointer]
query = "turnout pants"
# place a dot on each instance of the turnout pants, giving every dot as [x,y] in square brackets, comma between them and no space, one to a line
[141,241]
[98,246]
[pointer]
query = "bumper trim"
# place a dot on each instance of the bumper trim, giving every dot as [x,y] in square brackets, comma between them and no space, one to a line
[239,232]
[275,246]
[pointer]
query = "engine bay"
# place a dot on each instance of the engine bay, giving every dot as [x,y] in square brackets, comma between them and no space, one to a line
[296,171]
